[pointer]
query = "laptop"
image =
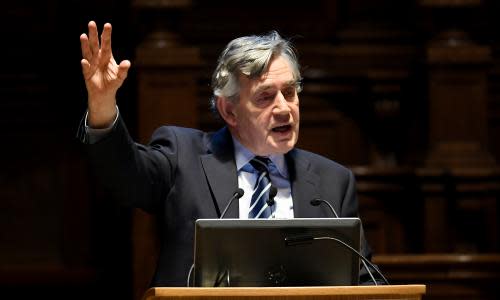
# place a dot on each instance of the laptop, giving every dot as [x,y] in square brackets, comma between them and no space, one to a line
[276,252]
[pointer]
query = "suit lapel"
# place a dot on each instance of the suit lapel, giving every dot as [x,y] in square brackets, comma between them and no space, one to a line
[220,171]
[303,182]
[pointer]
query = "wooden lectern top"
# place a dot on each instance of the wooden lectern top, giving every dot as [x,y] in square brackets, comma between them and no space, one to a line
[406,292]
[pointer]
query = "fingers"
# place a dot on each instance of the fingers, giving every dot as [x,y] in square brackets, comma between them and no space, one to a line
[84,42]
[106,42]
[123,69]
[93,39]
[86,68]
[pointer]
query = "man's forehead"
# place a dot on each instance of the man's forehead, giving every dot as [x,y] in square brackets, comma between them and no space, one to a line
[269,86]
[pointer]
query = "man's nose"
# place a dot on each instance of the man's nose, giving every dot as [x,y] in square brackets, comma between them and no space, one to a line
[281,106]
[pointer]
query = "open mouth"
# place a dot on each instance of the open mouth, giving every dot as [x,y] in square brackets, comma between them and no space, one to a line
[283,128]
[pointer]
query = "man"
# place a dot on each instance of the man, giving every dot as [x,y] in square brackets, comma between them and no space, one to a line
[185,174]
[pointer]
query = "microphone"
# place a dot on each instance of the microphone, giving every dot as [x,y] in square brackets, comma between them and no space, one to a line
[272,193]
[236,195]
[318,201]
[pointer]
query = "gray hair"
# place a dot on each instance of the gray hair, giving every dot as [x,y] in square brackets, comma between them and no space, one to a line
[249,55]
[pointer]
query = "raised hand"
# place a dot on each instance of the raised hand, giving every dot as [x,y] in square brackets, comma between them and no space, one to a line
[103,76]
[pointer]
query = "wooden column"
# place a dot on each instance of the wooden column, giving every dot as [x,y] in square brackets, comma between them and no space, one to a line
[457,87]
[459,168]
[166,73]
[457,106]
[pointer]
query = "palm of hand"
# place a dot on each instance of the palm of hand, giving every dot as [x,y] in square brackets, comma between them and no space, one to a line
[102,78]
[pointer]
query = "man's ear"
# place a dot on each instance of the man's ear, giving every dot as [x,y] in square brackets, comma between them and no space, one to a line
[226,109]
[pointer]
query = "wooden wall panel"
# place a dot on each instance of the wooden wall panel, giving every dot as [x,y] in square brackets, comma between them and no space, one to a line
[365,104]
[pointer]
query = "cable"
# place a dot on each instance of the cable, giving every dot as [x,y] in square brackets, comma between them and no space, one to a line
[363,259]
[189,275]
[370,273]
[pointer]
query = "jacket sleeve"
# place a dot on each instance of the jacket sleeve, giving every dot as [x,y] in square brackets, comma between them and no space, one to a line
[136,175]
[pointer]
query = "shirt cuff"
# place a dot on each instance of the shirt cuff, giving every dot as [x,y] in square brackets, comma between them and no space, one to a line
[94,135]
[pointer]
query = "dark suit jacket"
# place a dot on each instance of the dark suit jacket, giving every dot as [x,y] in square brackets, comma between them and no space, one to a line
[186,174]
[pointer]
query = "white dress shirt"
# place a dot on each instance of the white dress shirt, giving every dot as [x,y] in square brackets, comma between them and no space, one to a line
[278,172]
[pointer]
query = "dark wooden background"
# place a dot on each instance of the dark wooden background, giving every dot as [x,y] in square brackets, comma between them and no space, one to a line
[406,93]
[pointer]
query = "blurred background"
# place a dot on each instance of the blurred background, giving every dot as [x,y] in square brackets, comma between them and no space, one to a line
[406,93]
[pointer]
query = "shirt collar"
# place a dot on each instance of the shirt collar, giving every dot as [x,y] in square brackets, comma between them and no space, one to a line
[242,156]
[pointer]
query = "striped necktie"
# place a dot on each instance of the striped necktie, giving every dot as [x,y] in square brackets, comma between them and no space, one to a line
[258,205]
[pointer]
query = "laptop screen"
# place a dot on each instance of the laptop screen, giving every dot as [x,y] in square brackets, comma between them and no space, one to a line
[276,252]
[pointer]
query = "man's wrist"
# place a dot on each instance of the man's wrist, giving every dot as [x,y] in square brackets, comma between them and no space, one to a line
[102,118]
[109,125]
[93,135]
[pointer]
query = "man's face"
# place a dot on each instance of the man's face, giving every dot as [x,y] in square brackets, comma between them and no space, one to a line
[266,117]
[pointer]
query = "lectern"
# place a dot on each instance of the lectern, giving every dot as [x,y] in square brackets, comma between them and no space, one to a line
[407,292]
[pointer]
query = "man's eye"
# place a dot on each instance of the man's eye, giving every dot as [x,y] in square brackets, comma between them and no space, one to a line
[289,93]
[266,97]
